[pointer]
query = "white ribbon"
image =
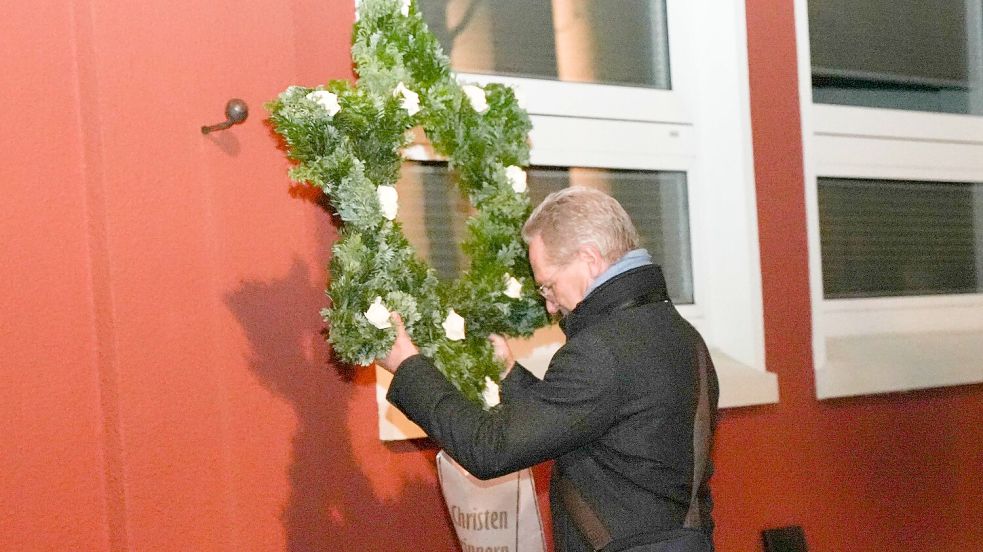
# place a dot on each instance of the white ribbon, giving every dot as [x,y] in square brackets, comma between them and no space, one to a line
[497,514]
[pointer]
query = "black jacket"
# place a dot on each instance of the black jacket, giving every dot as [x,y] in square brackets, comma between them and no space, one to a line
[615,410]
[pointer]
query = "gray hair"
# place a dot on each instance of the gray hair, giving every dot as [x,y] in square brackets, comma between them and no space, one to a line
[576,216]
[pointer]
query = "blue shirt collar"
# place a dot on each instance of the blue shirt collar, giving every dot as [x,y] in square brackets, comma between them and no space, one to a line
[632,259]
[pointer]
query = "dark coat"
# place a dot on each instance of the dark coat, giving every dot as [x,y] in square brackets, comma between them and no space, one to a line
[615,410]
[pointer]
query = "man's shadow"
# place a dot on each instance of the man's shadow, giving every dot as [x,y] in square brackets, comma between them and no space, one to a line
[332,505]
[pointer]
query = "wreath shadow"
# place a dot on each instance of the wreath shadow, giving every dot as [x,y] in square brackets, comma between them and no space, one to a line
[332,504]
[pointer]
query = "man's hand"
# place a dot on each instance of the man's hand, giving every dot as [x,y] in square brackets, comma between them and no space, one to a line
[502,352]
[402,349]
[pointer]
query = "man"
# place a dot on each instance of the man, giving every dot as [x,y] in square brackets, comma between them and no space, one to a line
[619,400]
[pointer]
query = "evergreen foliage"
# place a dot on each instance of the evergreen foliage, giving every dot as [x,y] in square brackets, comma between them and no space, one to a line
[351,148]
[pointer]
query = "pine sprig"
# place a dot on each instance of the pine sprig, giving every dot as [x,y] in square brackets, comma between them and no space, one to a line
[347,140]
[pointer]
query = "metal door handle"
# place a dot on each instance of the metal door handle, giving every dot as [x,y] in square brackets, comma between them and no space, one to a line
[236,112]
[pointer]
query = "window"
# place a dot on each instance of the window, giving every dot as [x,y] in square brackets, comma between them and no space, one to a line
[621,42]
[655,200]
[649,100]
[893,145]
[898,54]
[894,238]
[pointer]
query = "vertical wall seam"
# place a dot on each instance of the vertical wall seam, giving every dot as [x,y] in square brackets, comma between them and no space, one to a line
[220,342]
[89,127]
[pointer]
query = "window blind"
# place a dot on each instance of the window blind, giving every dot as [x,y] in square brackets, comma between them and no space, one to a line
[624,42]
[898,54]
[900,238]
[433,214]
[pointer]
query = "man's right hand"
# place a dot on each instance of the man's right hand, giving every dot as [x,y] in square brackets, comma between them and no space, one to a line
[402,349]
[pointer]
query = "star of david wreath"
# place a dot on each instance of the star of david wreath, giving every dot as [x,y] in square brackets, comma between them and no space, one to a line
[348,140]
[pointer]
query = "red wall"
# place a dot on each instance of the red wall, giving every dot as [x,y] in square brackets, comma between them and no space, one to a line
[163,381]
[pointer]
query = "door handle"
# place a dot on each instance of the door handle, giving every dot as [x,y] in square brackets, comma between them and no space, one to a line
[236,112]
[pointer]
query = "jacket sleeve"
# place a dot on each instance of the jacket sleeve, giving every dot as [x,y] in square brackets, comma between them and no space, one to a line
[573,405]
[517,383]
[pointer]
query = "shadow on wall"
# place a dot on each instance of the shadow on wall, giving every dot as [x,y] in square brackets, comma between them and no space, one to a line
[348,490]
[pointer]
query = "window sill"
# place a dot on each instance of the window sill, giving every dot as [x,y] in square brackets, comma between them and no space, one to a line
[888,363]
[742,385]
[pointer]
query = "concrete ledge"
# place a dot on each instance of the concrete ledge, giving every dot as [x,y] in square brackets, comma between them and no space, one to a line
[742,385]
[888,363]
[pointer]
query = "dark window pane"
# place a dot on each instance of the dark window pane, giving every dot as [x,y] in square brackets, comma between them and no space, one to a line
[898,54]
[898,238]
[622,42]
[657,203]
[433,214]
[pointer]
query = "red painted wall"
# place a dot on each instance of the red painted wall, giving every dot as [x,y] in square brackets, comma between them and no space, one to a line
[163,381]
[165,385]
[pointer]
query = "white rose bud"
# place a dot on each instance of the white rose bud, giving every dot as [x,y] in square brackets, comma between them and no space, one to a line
[404,7]
[328,100]
[388,201]
[491,393]
[411,100]
[513,288]
[517,177]
[453,326]
[378,315]
[476,95]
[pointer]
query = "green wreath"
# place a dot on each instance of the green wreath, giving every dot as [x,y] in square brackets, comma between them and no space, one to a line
[347,140]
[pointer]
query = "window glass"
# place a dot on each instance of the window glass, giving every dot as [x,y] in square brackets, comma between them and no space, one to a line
[433,214]
[622,42]
[900,238]
[898,54]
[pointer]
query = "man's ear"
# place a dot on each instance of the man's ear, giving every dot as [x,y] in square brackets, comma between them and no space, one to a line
[595,261]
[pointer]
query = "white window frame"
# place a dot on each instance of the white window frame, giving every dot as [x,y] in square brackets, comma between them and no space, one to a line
[889,344]
[701,126]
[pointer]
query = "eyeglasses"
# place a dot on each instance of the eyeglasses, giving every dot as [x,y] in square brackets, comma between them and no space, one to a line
[546,289]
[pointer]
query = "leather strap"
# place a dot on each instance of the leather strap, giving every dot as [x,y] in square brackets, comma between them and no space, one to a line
[653,296]
[702,429]
[585,518]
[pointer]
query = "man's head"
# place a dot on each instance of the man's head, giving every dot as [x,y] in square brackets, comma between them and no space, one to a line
[574,235]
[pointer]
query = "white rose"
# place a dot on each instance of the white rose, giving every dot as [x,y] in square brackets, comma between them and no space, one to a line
[476,96]
[453,326]
[328,100]
[513,288]
[378,315]
[404,7]
[491,394]
[517,177]
[411,100]
[388,201]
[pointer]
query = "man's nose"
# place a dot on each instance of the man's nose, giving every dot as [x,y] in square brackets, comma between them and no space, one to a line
[551,307]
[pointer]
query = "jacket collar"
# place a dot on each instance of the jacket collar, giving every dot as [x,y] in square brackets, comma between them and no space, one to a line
[613,293]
